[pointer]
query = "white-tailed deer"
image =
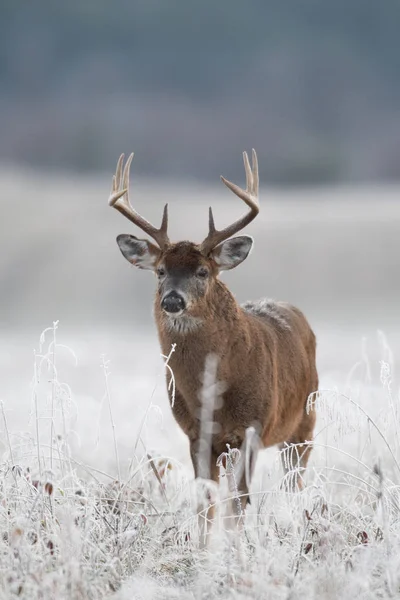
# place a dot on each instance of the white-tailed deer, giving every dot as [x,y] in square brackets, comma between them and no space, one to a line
[265,349]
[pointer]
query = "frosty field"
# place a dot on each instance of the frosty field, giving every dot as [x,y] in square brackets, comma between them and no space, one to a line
[110,510]
[97,498]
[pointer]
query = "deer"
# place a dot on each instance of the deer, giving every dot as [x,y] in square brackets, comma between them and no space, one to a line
[266,349]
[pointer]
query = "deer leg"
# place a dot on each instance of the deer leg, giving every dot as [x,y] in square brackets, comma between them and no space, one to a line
[296,452]
[243,476]
[239,471]
[204,468]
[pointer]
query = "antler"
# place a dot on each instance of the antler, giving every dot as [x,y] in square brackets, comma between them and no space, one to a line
[119,199]
[249,196]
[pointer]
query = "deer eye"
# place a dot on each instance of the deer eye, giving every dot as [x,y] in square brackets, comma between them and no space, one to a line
[160,272]
[202,273]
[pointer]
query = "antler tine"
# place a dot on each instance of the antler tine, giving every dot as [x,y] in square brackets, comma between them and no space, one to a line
[249,174]
[249,196]
[119,199]
[118,174]
[256,181]
[211,224]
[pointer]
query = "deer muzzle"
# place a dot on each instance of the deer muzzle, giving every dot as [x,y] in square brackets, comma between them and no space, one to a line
[173,303]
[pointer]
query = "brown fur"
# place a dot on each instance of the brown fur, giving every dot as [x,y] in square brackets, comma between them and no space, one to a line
[266,359]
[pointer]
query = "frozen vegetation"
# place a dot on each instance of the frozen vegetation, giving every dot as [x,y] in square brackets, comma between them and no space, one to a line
[97,498]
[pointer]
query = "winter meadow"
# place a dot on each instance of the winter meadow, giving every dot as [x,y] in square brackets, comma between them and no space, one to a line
[97,492]
[98,498]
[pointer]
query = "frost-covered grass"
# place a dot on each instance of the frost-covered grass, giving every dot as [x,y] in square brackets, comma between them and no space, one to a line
[71,530]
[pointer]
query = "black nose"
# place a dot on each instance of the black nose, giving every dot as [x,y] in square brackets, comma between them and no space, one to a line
[173,302]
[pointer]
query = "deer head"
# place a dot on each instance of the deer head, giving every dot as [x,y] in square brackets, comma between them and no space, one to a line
[186,271]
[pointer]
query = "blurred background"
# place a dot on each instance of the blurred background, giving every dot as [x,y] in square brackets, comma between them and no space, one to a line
[313,85]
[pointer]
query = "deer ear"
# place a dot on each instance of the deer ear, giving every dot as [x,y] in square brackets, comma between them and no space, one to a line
[140,253]
[231,253]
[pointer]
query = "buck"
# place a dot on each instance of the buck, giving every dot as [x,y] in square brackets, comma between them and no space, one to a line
[265,349]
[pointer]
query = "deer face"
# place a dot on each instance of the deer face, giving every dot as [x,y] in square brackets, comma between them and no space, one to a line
[185,275]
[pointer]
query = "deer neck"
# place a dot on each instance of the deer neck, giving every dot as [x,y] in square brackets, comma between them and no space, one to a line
[210,329]
[220,330]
